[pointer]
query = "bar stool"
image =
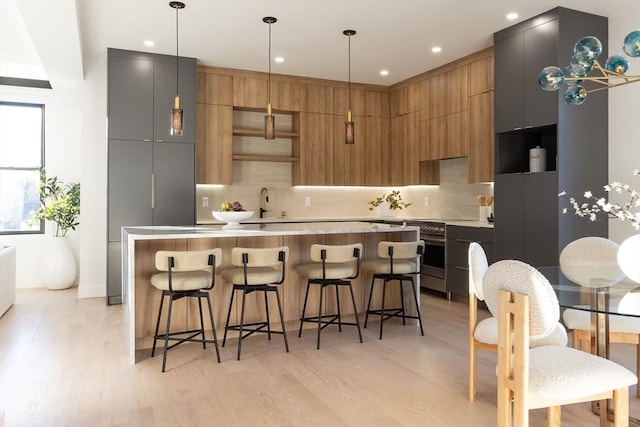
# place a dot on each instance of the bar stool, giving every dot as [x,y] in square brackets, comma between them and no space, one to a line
[333,265]
[257,269]
[185,274]
[397,261]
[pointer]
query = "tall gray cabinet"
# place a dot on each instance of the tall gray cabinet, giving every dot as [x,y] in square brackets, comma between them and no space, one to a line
[529,224]
[151,173]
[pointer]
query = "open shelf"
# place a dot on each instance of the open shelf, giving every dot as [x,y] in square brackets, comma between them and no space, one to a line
[512,148]
[259,158]
[260,133]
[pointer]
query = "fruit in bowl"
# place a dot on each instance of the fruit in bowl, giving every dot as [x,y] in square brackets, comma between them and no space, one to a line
[232,213]
[234,206]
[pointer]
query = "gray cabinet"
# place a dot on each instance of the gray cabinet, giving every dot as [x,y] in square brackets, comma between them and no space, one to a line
[456,257]
[151,174]
[529,224]
[519,57]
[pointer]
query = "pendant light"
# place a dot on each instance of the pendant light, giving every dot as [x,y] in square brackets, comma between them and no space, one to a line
[177,123]
[349,130]
[269,119]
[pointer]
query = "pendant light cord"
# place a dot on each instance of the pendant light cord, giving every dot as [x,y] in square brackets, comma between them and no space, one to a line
[349,99]
[177,44]
[269,81]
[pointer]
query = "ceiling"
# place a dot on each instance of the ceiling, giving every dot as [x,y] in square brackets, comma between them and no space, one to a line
[46,39]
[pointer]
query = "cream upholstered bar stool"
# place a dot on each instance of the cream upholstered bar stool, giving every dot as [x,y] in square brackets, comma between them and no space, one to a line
[547,376]
[256,270]
[483,334]
[578,261]
[333,265]
[399,262]
[185,274]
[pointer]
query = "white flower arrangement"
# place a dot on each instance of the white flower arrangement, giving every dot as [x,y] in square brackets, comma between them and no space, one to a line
[596,205]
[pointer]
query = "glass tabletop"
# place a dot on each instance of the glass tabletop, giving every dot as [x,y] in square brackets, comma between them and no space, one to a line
[595,289]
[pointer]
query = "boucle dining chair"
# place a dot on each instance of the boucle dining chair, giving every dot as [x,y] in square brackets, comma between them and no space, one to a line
[399,262]
[547,376]
[483,334]
[185,274]
[256,270]
[333,265]
[580,260]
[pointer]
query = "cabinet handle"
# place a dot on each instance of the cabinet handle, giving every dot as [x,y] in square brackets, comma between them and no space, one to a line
[159,140]
[462,268]
[146,140]
[465,241]
[153,190]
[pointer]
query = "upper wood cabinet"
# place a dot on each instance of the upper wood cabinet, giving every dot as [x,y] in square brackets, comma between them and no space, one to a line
[444,137]
[366,103]
[249,92]
[214,144]
[480,76]
[405,99]
[215,89]
[314,149]
[316,98]
[404,166]
[448,92]
[481,137]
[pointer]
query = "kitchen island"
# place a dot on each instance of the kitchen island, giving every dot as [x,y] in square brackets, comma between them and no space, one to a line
[139,245]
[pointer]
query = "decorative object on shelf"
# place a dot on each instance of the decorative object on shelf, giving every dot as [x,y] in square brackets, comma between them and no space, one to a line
[537,159]
[232,218]
[60,204]
[177,122]
[484,209]
[269,119]
[593,205]
[585,60]
[388,203]
[349,128]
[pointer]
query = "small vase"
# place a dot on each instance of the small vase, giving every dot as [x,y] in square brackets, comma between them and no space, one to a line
[58,270]
[629,257]
[384,210]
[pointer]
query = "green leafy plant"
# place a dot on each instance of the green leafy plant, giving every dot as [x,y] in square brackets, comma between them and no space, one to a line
[59,203]
[394,198]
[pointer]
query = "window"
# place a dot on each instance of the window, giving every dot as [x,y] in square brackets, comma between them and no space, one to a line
[21,156]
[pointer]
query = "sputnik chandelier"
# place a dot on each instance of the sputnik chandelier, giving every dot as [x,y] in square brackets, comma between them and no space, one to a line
[584,61]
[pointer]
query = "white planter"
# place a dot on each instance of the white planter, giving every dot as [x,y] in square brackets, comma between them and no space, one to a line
[384,210]
[59,269]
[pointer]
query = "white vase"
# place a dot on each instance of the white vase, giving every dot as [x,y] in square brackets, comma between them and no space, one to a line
[58,270]
[629,257]
[384,210]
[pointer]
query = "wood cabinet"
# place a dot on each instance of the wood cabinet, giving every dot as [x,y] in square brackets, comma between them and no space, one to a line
[448,92]
[404,166]
[456,259]
[316,98]
[481,137]
[445,137]
[214,144]
[314,150]
[250,92]
[215,89]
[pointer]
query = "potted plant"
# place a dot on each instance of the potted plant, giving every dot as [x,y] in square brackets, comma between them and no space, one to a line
[60,204]
[388,203]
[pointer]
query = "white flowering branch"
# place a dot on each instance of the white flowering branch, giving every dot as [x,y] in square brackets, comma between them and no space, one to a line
[596,205]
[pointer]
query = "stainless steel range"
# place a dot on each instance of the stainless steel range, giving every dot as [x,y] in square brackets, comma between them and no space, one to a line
[433,267]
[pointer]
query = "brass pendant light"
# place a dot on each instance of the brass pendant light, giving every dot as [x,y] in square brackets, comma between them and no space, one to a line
[349,128]
[177,122]
[269,119]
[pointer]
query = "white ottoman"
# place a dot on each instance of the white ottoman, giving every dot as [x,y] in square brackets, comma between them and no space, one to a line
[7,277]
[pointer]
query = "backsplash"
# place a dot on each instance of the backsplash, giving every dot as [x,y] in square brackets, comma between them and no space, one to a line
[454,198]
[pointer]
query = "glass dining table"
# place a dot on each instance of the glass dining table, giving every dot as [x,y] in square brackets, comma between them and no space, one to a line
[601,291]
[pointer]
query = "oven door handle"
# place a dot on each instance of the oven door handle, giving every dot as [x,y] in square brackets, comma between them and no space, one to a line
[433,239]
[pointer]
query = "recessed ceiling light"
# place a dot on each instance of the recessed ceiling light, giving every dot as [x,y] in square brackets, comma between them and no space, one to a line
[384,72]
[278,59]
[149,43]
[436,49]
[511,16]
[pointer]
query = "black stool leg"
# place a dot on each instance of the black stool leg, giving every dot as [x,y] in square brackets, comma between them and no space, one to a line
[244,294]
[226,325]
[213,326]
[166,335]
[355,311]
[338,303]
[366,316]
[304,308]
[266,307]
[284,331]
[415,298]
[404,320]
[320,317]
[384,293]
[155,335]
[204,343]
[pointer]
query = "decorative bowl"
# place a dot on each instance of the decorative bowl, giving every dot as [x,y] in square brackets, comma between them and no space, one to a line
[232,218]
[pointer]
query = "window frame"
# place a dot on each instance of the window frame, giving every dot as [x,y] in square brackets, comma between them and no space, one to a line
[42,107]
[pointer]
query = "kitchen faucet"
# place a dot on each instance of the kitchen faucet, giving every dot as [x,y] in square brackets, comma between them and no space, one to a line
[264,199]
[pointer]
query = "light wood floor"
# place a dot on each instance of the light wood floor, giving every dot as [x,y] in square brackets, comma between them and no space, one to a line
[63,363]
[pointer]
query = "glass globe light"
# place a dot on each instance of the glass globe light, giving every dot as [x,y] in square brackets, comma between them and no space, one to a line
[631,44]
[587,48]
[551,78]
[575,95]
[580,67]
[617,64]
